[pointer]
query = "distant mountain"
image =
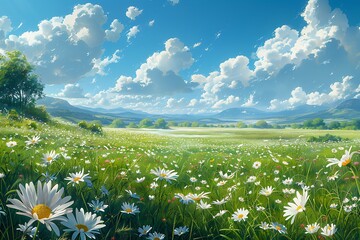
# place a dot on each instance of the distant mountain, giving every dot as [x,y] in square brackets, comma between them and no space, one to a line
[112,110]
[240,113]
[351,104]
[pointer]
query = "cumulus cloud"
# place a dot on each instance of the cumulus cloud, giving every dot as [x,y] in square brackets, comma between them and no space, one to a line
[173,103]
[196,44]
[228,101]
[151,23]
[101,64]
[5,27]
[132,12]
[132,32]
[174,2]
[250,102]
[72,91]
[159,75]
[339,91]
[63,48]
[116,28]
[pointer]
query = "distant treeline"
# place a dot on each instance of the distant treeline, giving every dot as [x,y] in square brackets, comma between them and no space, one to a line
[317,123]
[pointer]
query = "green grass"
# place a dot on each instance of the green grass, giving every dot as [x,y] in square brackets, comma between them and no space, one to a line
[118,157]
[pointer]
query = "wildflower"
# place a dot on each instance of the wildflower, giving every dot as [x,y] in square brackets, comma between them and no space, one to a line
[226,175]
[156,236]
[298,206]
[144,230]
[168,175]
[11,144]
[240,215]
[265,226]
[153,185]
[27,229]
[220,202]
[185,199]
[256,165]
[32,141]
[76,178]
[199,196]
[203,205]
[219,214]
[344,160]
[333,177]
[151,197]
[266,191]
[129,208]
[104,191]
[98,206]
[44,204]
[133,195]
[278,227]
[312,228]
[181,230]
[85,224]
[140,180]
[333,205]
[49,157]
[49,177]
[328,230]
[2,175]
[288,181]
[251,179]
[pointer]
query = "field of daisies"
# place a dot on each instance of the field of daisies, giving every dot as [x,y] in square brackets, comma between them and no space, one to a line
[60,182]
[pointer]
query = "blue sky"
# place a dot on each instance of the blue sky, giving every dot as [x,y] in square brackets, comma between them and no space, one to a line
[186,56]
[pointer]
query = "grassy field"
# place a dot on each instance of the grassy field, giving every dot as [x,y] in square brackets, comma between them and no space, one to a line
[185,183]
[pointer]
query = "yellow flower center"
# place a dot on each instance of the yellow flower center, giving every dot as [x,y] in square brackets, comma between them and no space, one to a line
[346,162]
[278,228]
[83,227]
[311,228]
[41,210]
[128,210]
[196,198]
[163,175]
[156,238]
[76,179]
[299,208]
[49,158]
[240,216]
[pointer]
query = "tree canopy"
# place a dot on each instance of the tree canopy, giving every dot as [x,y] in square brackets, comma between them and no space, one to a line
[19,86]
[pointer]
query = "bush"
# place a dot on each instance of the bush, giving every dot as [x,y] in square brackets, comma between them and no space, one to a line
[13,115]
[326,138]
[93,127]
[38,113]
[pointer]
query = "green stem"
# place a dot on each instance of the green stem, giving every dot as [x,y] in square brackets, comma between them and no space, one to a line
[37,229]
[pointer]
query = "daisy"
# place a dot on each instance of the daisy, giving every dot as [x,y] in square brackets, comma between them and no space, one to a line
[32,141]
[84,223]
[156,236]
[185,199]
[76,178]
[11,144]
[344,160]
[278,227]
[256,165]
[226,175]
[312,228]
[266,191]
[265,226]
[161,174]
[27,229]
[44,204]
[129,208]
[287,181]
[98,206]
[49,157]
[240,215]
[181,230]
[144,230]
[298,206]
[328,230]
[203,205]
[133,195]
[197,197]
[219,214]
[140,180]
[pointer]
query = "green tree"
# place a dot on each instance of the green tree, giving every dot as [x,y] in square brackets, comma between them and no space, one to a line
[334,125]
[241,124]
[145,123]
[262,124]
[160,123]
[117,123]
[131,125]
[194,124]
[19,87]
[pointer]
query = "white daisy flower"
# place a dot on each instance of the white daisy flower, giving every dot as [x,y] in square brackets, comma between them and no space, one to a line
[129,208]
[76,178]
[168,175]
[298,206]
[267,191]
[240,215]
[312,228]
[49,157]
[144,230]
[329,230]
[44,204]
[85,224]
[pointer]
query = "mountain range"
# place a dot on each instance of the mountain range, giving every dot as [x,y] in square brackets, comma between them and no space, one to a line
[346,110]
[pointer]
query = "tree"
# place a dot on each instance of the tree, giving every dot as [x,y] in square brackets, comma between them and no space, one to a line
[241,124]
[194,124]
[145,123]
[262,124]
[334,125]
[117,123]
[19,87]
[131,125]
[160,123]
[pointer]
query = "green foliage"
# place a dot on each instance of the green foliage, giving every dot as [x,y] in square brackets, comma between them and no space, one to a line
[195,124]
[94,127]
[326,138]
[117,123]
[13,115]
[262,124]
[241,124]
[38,113]
[161,124]
[19,87]
[145,123]
[172,124]
[131,125]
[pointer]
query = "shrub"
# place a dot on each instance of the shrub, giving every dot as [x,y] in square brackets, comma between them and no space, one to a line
[326,138]
[38,113]
[13,115]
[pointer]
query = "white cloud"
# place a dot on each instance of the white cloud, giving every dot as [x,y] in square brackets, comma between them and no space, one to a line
[192,102]
[132,32]
[72,91]
[151,23]
[5,26]
[173,103]
[229,100]
[174,2]
[63,48]
[132,12]
[250,102]
[100,65]
[116,28]
[196,44]
[339,91]
[160,73]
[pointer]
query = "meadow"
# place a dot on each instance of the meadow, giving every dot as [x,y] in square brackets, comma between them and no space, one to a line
[177,184]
